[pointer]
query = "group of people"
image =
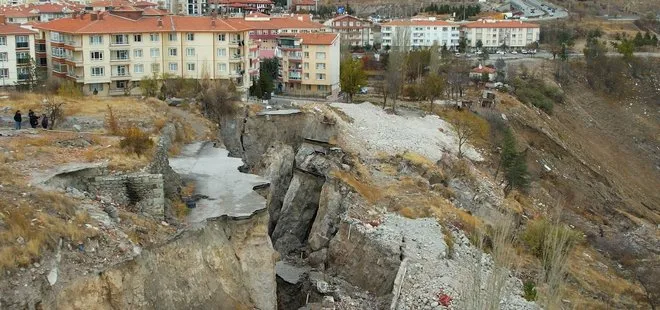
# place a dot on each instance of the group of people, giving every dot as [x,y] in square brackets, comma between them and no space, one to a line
[33,118]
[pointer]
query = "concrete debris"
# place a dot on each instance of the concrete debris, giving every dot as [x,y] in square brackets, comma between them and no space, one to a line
[290,273]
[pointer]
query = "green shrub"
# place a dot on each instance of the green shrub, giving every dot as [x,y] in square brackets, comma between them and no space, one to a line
[69,89]
[537,93]
[529,291]
[136,141]
[538,233]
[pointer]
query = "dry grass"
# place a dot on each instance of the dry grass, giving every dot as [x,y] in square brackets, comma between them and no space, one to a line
[34,221]
[367,190]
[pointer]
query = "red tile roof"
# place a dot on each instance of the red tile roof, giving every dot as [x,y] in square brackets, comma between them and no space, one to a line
[482,69]
[109,23]
[6,29]
[317,38]
[295,22]
[500,24]
[419,22]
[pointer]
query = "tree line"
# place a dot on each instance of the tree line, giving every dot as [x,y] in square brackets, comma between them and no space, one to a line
[462,11]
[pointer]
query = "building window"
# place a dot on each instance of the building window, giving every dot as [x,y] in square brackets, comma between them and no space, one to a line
[172,51]
[222,67]
[320,66]
[320,76]
[306,75]
[190,51]
[22,42]
[137,53]
[308,87]
[120,84]
[3,40]
[137,38]
[4,56]
[97,55]
[154,37]
[96,87]
[139,68]
[4,73]
[155,68]
[222,37]
[155,52]
[306,65]
[191,66]
[171,37]
[120,39]
[320,55]
[98,71]
[96,40]
[174,66]
[306,54]
[222,52]
[190,36]
[321,87]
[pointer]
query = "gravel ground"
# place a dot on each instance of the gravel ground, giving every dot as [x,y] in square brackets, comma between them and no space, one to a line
[430,271]
[373,130]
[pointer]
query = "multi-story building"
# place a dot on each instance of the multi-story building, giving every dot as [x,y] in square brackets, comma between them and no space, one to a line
[354,31]
[20,14]
[420,33]
[109,52]
[495,33]
[303,5]
[266,29]
[241,6]
[16,53]
[309,64]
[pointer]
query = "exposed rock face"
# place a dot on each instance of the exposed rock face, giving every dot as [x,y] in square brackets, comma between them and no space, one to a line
[250,137]
[297,213]
[364,260]
[331,206]
[227,264]
[276,166]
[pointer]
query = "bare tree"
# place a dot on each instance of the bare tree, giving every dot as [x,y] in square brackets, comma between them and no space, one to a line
[54,109]
[396,65]
[468,127]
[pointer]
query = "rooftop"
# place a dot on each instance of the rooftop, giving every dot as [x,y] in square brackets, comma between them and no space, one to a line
[500,24]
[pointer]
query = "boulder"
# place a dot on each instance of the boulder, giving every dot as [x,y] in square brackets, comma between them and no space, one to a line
[298,211]
[328,215]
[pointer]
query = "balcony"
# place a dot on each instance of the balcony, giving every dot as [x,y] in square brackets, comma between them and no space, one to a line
[295,77]
[23,61]
[22,45]
[76,46]
[120,76]
[120,59]
[236,58]
[235,74]
[78,78]
[235,43]
[23,76]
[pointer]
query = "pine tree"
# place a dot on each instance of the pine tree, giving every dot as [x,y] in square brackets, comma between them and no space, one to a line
[517,175]
[508,149]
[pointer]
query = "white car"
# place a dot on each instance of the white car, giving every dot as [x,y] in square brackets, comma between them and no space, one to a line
[514,52]
[501,52]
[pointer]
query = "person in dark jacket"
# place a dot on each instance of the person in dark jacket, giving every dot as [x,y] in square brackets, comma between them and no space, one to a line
[44,121]
[18,118]
[33,118]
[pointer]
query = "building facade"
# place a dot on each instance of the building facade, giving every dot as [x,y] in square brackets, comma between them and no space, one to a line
[354,31]
[17,50]
[309,64]
[495,33]
[420,33]
[108,54]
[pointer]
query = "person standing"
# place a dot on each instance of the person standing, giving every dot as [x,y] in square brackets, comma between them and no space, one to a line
[44,121]
[18,119]
[33,118]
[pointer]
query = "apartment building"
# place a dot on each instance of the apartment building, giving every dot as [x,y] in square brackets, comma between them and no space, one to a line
[354,31]
[241,6]
[16,52]
[266,29]
[420,33]
[309,64]
[108,53]
[495,33]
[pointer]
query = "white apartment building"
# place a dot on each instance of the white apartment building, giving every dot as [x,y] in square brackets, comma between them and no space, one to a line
[106,53]
[420,33]
[495,33]
[16,53]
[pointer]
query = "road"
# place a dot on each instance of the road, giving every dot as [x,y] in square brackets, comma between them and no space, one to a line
[536,10]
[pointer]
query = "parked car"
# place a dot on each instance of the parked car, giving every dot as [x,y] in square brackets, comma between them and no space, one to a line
[501,52]
[523,51]
[514,52]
